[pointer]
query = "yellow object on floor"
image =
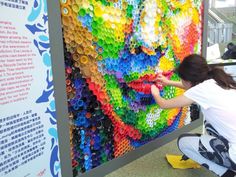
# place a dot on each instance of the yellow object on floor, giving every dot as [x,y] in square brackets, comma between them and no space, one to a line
[176,162]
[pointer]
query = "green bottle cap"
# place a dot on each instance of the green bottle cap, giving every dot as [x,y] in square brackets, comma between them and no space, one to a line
[82,12]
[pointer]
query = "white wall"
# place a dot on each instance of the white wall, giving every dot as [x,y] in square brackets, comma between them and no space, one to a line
[222,3]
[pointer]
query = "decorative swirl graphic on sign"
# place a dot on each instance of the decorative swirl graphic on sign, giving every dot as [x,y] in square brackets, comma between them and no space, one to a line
[37,25]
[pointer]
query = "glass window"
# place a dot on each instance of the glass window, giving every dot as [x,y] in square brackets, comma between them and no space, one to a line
[221,31]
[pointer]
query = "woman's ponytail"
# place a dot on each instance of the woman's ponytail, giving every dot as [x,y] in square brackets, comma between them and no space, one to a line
[223,79]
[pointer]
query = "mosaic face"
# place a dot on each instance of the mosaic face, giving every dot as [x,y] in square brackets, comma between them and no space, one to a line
[113,51]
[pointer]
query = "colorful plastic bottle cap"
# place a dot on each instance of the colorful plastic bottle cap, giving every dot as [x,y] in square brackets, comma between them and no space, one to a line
[93,69]
[65,21]
[99,57]
[95,32]
[80,50]
[68,82]
[88,115]
[78,39]
[100,50]
[98,11]
[77,65]
[80,103]
[65,10]
[75,57]
[86,157]
[93,128]
[84,59]
[82,12]
[75,8]
[95,39]
[75,107]
[89,36]
[71,95]
[68,89]
[88,50]
[68,70]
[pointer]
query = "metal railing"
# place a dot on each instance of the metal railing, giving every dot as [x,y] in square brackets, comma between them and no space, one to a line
[219,30]
[220,33]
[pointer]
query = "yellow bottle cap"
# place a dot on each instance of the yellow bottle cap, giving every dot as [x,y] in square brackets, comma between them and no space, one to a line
[83,59]
[75,8]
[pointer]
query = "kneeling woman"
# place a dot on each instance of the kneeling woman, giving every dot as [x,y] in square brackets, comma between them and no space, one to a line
[215,92]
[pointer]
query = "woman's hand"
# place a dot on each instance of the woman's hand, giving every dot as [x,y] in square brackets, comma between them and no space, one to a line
[162,80]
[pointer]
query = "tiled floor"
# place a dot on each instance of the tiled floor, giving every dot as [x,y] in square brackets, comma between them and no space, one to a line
[154,164]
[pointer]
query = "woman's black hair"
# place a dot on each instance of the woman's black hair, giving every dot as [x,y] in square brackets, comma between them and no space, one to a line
[194,68]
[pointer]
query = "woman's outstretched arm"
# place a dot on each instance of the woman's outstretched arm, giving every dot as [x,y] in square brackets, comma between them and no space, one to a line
[164,81]
[176,102]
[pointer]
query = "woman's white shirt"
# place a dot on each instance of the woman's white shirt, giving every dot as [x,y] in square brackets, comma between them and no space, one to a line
[218,106]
